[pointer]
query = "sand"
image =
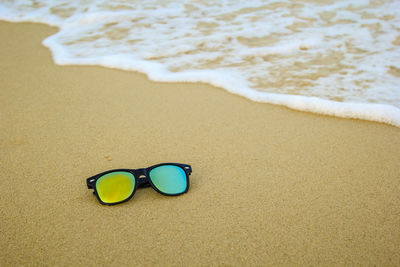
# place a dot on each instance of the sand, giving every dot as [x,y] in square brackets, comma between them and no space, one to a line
[270,186]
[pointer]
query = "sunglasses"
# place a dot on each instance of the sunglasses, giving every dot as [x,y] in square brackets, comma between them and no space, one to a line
[118,186]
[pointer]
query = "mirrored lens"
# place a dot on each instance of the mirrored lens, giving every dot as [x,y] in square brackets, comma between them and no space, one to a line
[169,179]
[115,186]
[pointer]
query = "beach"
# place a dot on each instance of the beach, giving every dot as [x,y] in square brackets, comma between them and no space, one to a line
[270,185]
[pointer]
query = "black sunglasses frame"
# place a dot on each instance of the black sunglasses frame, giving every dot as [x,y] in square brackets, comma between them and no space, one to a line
[142,179]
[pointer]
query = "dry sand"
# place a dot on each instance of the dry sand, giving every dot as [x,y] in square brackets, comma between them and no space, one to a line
[269,185]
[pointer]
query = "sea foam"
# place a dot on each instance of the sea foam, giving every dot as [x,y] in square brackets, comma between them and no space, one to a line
[339,58]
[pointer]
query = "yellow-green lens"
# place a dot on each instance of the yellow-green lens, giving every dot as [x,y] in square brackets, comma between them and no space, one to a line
[115,186]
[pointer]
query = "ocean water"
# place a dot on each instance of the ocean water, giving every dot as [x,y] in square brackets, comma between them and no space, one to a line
[338,58]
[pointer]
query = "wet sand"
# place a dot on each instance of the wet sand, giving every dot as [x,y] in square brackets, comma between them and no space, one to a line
[270,186]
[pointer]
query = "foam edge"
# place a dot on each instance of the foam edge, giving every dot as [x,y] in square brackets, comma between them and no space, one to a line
[156,72]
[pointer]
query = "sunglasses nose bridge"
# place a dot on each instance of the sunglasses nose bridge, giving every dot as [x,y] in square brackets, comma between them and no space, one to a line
[142,178]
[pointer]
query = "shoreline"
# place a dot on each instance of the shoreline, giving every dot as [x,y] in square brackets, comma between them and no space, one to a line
[375,112]
[381,113]
[269,185]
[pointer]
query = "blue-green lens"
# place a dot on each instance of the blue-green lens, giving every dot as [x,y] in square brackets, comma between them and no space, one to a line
[169,179]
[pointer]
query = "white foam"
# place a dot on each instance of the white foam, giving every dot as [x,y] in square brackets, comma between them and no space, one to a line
[341,59]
